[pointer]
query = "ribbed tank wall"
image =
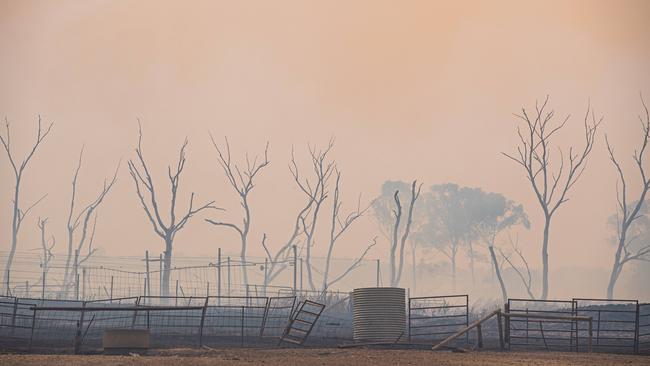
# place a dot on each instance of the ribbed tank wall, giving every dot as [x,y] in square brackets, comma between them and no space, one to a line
[379,313]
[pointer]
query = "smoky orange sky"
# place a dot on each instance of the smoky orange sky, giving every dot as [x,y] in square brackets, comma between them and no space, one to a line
[411,90]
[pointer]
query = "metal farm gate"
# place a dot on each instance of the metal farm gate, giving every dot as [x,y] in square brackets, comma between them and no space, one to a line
[558,335]
[615,324]
[618,326]
[433,318]
[172,321]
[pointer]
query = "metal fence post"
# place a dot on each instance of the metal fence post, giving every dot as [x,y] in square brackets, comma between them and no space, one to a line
[507,324]
[408,302]
[467,317]
[83,283]
[295,269]
[636,333]
[378,272]
[76,273]
[301,261]
[574,312]
[148,281]
[160,274]
[31,336]
[219,276]
[228,276]
[264,317]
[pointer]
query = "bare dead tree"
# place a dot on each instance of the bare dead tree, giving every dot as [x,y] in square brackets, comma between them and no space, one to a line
[316,191]
[278,262]
[355,264]
[495,215]
[81,220]
[628,212]
[315,196]
[527,279]
[497,272]
[146,191]
[338,227]
[242,181]
[47,244]
[489,233]
[534,156]
[397,258]
[18,167]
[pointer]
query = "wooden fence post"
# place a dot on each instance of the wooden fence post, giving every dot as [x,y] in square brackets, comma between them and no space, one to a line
[266,274]
[13,315]
[500,330]
[135,312]
[242,325]
[43,285]
[144,290]
[76,346]
[8,291]
[203,311]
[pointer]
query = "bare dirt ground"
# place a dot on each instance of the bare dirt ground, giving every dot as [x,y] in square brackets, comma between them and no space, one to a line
[329,356]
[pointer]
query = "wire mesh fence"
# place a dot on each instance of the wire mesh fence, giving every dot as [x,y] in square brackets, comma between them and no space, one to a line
[103,277]
[33,324]
[206,302]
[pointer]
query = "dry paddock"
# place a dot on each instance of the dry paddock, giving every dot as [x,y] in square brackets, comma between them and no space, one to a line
[315,356]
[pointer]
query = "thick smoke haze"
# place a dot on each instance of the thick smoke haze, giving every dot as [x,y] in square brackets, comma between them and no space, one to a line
[411,90]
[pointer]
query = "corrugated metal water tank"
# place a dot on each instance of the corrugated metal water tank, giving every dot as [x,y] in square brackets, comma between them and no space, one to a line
[379,313]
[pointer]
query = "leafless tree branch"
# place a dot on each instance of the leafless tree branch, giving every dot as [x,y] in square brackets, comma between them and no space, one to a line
[551,188]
